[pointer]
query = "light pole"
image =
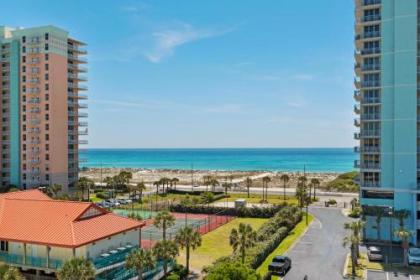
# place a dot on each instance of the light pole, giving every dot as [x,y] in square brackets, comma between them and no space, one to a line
[391,215]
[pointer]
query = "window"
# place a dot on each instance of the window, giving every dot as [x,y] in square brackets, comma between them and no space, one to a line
[24,39]
[46,47]
[47,127]
[46,57]
[47,36]
[23,68]
[23,49]
[47,137]
[47,86]
[24,79]
[4,246]
[47,156]
[47,117]
[46,67]
[23,59]
[378,194]
[47,76]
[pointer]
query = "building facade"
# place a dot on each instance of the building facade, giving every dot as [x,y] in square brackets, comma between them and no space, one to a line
[41,87]
[39,234]
[386,67]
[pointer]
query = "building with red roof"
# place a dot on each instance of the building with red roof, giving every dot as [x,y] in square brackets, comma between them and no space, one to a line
[39,233]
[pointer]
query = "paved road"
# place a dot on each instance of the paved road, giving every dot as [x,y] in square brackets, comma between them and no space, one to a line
[319,254]
[380,275]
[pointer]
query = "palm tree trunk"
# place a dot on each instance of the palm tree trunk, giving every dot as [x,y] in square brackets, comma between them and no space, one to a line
[140,273]
[248,191]
[353,261]
[314,192]
[284,191]
[187,262]
[164,232]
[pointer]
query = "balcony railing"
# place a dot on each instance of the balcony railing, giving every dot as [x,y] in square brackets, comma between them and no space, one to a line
[371,67]
[371,100]
[367,149]
[357,95]
[112,258]
[370,2]
[370,18]
[371,84]
[30,261]
[370,133]
[366,165]
[77,58]
[367,117]
[367,51]
[371,184]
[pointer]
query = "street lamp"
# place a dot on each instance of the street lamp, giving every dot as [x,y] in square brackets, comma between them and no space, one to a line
[391,214]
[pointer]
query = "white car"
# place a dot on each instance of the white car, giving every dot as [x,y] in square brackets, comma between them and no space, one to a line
[413,256]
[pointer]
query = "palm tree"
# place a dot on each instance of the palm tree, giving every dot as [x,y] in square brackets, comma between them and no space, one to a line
[353,240]
[214,183]
[404,235]
[83,184]
[12,273]
[285,178]
[401,215]
[110,184]
[188,238]
[53,190]
[301,194]
[206,181]
[226,186]
[165,251]
[140,260]
[315,183]
[207,198]
[248,183]
[140,187]
[164,220]
[265,180]
[242,238]
[76,269]
[356,227]
[175,181]
[353,203]
[378,212]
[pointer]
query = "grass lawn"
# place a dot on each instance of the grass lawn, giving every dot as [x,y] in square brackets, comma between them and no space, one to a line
[256,198]
[94,198]
[285,244]
[215,244]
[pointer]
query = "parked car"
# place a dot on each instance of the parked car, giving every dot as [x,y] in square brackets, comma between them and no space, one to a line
[374,254]
[413,256]
[280,265]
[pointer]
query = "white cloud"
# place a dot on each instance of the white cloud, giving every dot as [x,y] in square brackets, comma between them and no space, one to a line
[167,40]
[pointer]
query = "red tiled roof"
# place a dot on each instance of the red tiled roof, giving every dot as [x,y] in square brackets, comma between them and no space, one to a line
[29,217]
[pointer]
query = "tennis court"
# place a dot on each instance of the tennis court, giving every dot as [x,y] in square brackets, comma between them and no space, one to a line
[203,223]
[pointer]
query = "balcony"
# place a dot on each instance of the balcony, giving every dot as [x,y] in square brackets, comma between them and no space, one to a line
[76,86]
[370,184]
[370,18]
[77,77]
[357,122]
[368,35]
[76,58]
[34,142]
[33,172]
[370,2]
[113,257]
[369,51]
[357,95]
[34,131]
[367,165]
[34,101]
[77,68]
[29,261]
[356,109]
[370,100]
[77,95]
[371,84]
[369,133]
[75,48]
[370,117]
[74,123]
[367,149]
[371,67]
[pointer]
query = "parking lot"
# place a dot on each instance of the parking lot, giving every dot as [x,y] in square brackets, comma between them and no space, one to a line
[381,275]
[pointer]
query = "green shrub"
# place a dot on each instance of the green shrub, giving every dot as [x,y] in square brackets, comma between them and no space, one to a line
[332,201]
[356,213]
[103,195]
[344,183]
[173,276]
[231,270]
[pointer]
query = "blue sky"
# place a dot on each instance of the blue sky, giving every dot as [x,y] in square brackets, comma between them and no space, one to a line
[211,73]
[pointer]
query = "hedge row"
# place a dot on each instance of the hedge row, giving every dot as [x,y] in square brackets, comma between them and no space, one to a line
[253,212]
[191,192]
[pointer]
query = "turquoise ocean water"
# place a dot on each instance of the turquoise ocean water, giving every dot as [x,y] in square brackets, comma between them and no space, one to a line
[272,159]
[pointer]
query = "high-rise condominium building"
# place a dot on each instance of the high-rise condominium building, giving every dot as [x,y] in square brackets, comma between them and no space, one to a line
[40,109]
[387,72]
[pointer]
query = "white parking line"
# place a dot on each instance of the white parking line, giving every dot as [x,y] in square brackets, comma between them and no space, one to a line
[387,276]
[411,278]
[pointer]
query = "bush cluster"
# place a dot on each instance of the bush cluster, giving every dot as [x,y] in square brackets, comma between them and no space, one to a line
[253,212]
[269,237]
[103,195]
